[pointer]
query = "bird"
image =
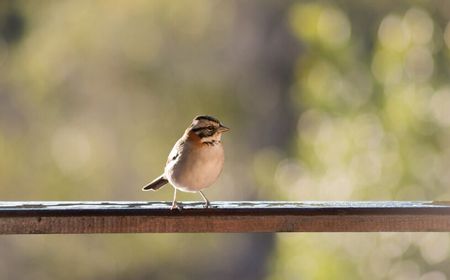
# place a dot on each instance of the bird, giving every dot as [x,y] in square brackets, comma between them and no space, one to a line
[195,161]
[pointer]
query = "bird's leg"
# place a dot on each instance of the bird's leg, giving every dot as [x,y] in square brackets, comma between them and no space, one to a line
[174,202]
[205,199]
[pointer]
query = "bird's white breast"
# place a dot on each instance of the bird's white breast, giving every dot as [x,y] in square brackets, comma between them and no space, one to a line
[196,168]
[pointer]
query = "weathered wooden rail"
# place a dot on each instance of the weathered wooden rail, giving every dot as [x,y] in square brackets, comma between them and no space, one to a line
[64,217]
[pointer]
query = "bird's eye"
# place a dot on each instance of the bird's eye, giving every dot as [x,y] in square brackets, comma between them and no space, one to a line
[210,127]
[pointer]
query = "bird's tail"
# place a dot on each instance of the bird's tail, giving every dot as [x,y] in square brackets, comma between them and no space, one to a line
[156,184]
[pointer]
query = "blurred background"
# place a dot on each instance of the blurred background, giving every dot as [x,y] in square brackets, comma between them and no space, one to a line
[327,100]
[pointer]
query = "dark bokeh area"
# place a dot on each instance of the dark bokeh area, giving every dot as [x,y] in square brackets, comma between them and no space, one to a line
[330,100]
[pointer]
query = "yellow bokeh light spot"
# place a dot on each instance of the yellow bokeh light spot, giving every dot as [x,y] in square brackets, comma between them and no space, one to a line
[303,19]
[333,27]
[434,247]
[420,25]
[393,33]
[440,106]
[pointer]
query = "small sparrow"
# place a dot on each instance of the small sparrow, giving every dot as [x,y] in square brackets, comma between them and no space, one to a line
[195,161]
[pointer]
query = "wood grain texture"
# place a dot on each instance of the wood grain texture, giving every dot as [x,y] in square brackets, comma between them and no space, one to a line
[64,217]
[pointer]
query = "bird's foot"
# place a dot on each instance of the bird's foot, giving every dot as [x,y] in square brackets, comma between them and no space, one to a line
[176,206]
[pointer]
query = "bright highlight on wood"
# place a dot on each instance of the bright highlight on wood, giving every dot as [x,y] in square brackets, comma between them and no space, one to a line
[66,217]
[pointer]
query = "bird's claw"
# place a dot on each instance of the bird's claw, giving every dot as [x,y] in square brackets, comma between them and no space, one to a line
[176,206]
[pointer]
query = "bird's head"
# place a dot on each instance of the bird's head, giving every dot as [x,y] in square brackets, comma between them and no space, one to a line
[207,128]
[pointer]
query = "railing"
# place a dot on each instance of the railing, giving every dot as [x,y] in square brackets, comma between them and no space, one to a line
[43,217]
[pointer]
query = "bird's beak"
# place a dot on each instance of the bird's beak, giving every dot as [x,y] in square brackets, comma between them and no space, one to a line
[222,128]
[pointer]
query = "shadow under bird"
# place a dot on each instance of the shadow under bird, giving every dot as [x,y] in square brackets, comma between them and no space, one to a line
[195,161]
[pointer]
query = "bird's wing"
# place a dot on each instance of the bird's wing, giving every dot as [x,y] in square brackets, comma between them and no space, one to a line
[176,151]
